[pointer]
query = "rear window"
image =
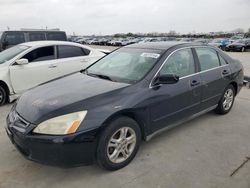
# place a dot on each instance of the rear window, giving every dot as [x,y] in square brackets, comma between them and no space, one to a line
[70,51]
[222,60]
[208,58]
[56,36]
[14,38]
[37,36]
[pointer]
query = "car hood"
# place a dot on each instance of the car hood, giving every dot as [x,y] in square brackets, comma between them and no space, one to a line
[47,100]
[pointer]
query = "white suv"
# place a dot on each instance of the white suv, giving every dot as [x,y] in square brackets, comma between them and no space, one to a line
[29,64]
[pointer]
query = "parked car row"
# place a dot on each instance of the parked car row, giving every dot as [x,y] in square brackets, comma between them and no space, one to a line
[222,43]
[12,38]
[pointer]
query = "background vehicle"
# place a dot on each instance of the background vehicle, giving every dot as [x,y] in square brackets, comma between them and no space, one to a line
[12,38]
[236,37]
[29,64]
[220,43]
[187,39]
[131,94]
[203,41]
[241,45]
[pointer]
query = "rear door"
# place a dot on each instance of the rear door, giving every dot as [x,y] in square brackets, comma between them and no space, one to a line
[175,102]
[73,58]
[215,75]
[42,67]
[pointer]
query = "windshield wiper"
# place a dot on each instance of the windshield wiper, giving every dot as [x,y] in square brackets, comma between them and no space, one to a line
[105,77]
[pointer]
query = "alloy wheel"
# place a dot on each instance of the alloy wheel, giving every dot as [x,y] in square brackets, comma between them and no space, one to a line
[228,99]
[121,145]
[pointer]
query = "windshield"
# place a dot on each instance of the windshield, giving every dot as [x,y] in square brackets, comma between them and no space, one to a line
[10,53]
[125,65]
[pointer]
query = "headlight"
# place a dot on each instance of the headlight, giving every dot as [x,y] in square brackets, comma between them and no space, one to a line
[61,125]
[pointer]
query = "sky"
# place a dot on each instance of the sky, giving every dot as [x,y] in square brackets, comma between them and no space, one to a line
[101,17]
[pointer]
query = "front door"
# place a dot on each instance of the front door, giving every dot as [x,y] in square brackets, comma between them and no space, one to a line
[42,67]
[172,103]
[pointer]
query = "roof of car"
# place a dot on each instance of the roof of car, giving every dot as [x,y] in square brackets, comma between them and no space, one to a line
[161,45]
[48,42]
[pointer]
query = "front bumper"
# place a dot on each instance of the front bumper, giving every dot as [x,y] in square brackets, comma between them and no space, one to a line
[64,151]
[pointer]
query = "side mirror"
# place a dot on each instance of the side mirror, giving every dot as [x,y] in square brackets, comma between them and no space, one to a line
[166,79]
[22,61]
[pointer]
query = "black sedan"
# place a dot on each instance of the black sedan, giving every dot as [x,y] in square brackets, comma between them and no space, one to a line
[104,112]
[239,46]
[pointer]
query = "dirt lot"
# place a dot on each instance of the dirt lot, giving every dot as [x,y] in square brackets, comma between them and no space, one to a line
[200,153]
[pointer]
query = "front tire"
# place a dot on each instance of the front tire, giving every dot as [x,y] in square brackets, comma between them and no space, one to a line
[227,100]
[3,96]
[118,144]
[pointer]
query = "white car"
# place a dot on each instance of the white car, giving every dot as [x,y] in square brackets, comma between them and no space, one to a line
[29,64]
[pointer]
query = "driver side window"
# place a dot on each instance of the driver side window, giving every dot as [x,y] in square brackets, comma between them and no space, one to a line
[180,63]
[41,54]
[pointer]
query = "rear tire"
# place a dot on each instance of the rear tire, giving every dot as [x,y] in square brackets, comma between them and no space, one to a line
[118,144]
[227,100]
[3,96]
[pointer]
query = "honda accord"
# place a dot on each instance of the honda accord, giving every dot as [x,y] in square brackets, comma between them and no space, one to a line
[102,113]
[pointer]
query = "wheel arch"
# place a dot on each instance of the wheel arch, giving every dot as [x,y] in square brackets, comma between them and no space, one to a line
[235,85]
[129,114]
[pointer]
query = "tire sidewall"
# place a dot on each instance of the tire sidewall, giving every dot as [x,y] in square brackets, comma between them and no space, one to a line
[115,125]
[3,93]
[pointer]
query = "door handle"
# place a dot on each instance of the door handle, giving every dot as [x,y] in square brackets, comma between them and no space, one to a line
[225,72]
[195,83]
[52,66]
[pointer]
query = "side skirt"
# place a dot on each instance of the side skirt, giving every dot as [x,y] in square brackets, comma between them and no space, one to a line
[149,137]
